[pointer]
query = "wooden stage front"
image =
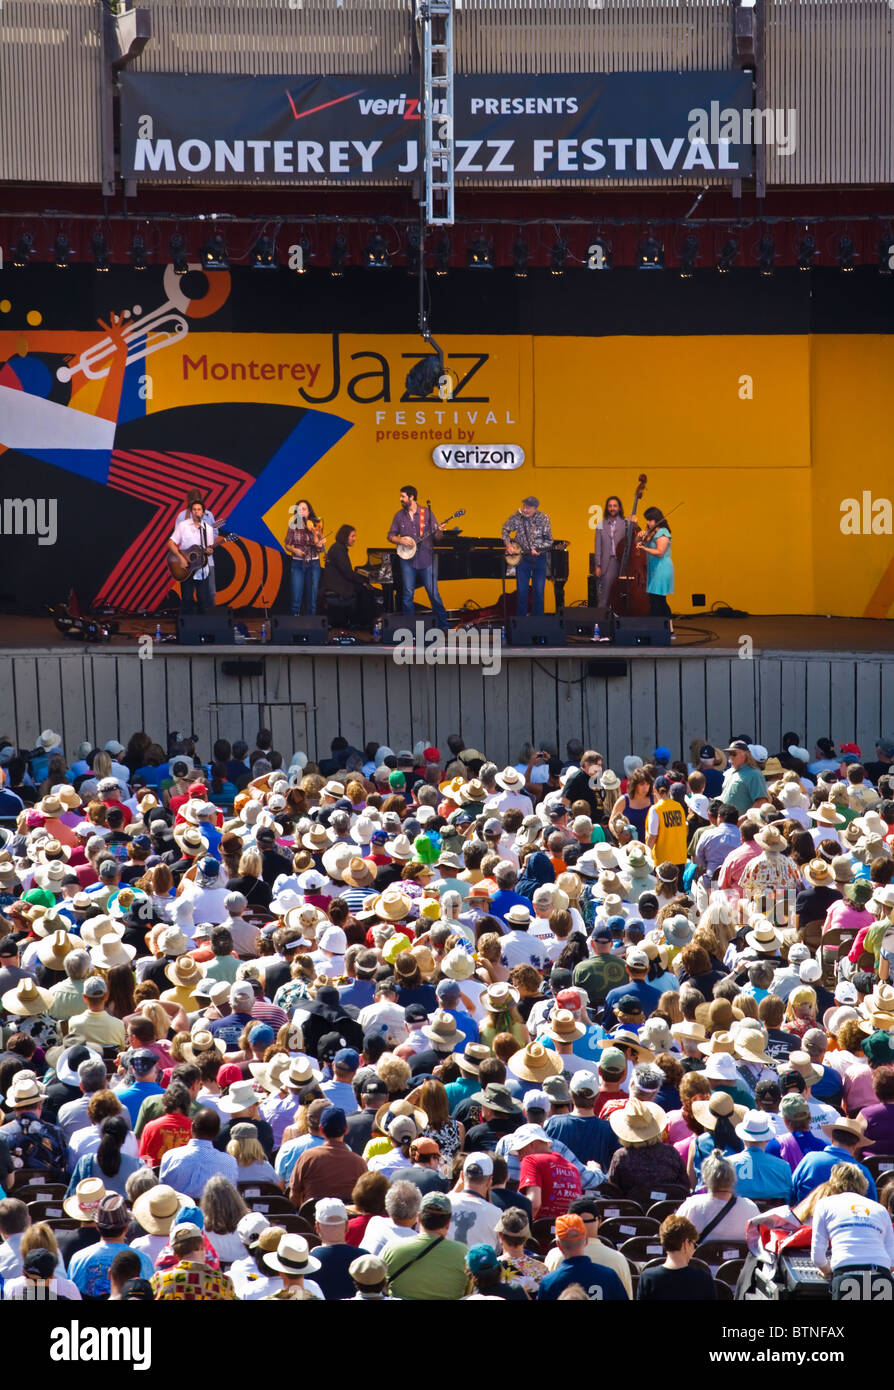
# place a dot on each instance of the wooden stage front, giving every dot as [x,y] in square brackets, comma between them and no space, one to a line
[817,676]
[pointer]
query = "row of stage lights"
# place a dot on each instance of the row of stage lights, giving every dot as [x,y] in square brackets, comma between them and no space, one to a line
[480,254]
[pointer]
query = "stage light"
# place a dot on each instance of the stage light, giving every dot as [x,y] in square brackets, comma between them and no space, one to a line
[886,251]
[214,254]
[688,257]
[558,256]
[376,253]
[649,254]
[806,252]
[338,256]
[846,254]
[520,257]
[442,256]
[138,252]
[766,255]
[177,251]
[414,253]
[425,376]
[62,252]
[599,255]
[481,254]
[24,248]
[727,256]
[100,249]
[263,255]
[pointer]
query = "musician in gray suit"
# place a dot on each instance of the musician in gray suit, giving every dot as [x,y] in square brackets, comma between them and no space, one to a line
[613,528]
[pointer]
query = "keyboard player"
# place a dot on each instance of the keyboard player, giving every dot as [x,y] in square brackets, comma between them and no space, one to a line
[350,600]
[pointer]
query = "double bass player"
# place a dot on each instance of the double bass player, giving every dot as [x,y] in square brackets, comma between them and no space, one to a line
[608,535]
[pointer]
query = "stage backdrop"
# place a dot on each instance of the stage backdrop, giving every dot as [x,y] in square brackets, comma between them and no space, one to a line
[759,412]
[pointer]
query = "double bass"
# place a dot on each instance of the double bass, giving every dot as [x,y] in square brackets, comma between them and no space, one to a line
[628,596]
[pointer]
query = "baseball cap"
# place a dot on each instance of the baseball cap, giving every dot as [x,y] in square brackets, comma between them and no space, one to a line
[241,993]
[479,1165]
[707,751]
[531,502]
[424,1145]
[637,960]
[738,745]
[183,1232]
[481,1257]
[333,1122]
[41,1263]
[374,1086]
[261,1035]
[346,1057]
[879,1049]
[536,1101]
[583,1083]
[569,1225]
[94,988]
[602,932]
[612,1062]
[556,1087]
[250,1226]
[661,754]
[415,1013]
[527,1134]
[142,1061]
[330,1210]
[446,988]
[437,1201]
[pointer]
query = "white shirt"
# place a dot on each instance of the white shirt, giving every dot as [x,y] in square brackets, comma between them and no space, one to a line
[250,1284]
[207,904]
[380,1230]
[857,1229]
[474,1220]
[385,1018]
[151,1246]
[187,536]
[510,801]
[521,948]
[22,1288]
[826,832]
[86,1141]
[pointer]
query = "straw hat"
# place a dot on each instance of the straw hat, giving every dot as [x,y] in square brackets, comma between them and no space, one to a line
[83,1204]
[184,972]
[564,1027]
[200,1044]
[191,841]
[692,1032]
[639,1122]
[750,1045]
[443,1031]
[392,1108]
[771,839]
[510,779]
[720,1042]
[316,839]
[499,997]
[457,965]
[392,904]
[855,1126]
[53,949]
[719,1106]
[26,1000]
[472,791]
[24,1091]
[625,1037]
[451,790]
[112,952]
[291,1256]
[360,873]
[818,873]
[825,814]
[156,1210]
[718,1016]
[764,937]
[534,1062]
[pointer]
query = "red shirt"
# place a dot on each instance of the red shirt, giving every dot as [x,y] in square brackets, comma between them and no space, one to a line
[125,810]
[558,1180]
[606,1098]
[168,1132]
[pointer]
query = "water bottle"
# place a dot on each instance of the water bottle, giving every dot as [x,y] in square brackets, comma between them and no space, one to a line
[264,630]
[377,630]
[158,632]
[503,635]
[595,632]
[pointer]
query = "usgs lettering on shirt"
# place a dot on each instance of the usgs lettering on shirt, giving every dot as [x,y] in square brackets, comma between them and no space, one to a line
[78,1343]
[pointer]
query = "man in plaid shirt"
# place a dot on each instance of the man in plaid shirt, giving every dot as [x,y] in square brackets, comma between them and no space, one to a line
[533,534]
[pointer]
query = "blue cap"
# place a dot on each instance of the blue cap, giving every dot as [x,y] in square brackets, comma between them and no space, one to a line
[141,842]
[190,1213]
[378,837]
[662,754]
[481,1257]
[210,867]
[333,1123]
[602,932]
[346,1057]
[261,1035]
[616,925]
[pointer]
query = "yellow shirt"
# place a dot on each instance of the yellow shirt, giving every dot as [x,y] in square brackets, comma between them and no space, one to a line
[670,845]
[102,1029]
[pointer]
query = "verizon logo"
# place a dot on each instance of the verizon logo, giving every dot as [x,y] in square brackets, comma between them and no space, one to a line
[405,106]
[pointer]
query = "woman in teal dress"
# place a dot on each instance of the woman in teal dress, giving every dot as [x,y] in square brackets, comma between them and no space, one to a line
[656,543]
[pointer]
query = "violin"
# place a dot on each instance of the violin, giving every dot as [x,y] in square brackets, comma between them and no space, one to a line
[628,596]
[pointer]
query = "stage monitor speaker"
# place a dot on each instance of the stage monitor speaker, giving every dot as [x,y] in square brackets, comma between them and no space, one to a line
[205,629]
[606,670]
[244,670]
[642,632]
[545,631]
[592,591]
[406,622]
[309,631]
[581,622]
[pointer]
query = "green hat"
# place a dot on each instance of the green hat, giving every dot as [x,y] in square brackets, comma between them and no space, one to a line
[397,780]
[879,1049]
[425,849]
[860,891]
[39,897]
[612,1062]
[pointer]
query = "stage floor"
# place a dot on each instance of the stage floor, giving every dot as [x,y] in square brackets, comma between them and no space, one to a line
[769,635]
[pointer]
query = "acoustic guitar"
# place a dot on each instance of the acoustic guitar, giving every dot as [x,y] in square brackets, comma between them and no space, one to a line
[406,547]
[196,557]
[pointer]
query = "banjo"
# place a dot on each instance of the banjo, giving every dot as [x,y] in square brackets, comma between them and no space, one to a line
[406,547]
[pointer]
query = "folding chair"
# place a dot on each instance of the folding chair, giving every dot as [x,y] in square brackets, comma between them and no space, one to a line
[639,1250]
[729,1272]
[271,1206]
[291,1221]
[659,1210]
[259,1189]
[726,1293]
[35,1191]
[660,1192]
[607,1207]
[46,1211]
[544,1233]
[879,1164]
[308,1210]
[715,1253]
[623,1228]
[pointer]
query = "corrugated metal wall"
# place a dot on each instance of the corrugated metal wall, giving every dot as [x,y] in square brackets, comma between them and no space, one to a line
[307,699]
[49,91]
[831,60]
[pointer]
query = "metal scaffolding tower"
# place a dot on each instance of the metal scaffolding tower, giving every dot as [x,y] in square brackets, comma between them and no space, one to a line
[435,18]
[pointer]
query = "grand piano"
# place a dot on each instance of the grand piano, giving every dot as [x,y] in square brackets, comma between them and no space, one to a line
[463,557]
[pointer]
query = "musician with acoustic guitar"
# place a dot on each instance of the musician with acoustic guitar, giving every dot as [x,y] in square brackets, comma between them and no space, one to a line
[304,542]
[528,552]
[192,561]
[413,532]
